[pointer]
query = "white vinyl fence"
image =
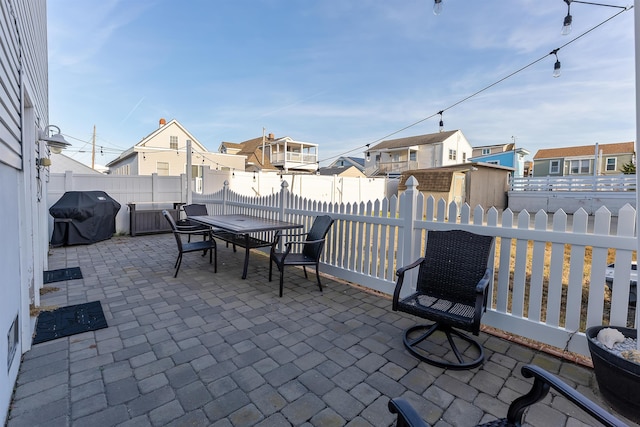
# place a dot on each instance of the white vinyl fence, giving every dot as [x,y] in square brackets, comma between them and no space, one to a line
[369,241]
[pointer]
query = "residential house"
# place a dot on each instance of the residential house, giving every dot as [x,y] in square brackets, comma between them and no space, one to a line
[417,152]
[348,170]
[24,172]
[597,159]
[271,153]
[164,152]
[346,161]
[61,164]
[502,154]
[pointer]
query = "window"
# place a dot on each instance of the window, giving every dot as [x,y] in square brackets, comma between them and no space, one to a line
[452,154]
[464,157]
[554,166]
[486,151]
[173,142]
[163,168]
[577,167]
[413,156]
[611,164]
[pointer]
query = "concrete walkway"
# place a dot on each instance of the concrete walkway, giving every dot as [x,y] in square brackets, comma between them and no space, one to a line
[211,349]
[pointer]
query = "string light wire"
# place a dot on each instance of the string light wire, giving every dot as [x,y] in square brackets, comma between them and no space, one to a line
[484,89]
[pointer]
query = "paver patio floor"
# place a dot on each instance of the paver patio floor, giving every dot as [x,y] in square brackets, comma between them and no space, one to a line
[208,349]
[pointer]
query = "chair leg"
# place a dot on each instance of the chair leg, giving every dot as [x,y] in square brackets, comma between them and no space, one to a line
[305,272]
[318,277]
[463,361]
[215,260]
[281,280]
[178,262]
[270,267]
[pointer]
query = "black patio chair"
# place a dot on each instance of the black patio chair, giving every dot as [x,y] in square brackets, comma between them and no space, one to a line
[542,382]
[196,209]
[451,290]
[186,225]
[204,245]
[308,251]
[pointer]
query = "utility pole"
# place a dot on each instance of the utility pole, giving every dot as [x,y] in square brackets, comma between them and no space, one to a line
[93,149]
[262,165]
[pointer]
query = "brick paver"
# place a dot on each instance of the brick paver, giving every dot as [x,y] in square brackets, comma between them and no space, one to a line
[209,349]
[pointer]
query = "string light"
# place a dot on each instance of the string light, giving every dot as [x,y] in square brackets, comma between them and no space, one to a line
[566,25]
[556,66]
[568,20]
[441,124]
[437,7]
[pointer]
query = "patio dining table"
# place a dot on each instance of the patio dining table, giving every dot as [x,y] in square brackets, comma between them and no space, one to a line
[240,230]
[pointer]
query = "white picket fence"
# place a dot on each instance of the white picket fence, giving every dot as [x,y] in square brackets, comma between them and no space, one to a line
[369,241]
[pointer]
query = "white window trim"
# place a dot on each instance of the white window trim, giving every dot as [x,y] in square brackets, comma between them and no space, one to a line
[615,164]
[554,164]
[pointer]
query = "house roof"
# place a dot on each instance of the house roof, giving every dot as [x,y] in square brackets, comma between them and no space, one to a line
[339,170]
[252,149]
[197,146]
[585,150]
[431,138]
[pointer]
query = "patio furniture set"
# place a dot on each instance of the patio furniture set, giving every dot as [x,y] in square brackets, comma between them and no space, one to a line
[449,287]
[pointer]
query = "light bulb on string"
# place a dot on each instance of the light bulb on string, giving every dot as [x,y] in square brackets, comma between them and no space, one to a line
[566,25]
[441,124]
[437,7]
[556,66]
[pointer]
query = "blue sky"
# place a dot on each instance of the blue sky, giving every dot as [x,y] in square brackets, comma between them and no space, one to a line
[339,73]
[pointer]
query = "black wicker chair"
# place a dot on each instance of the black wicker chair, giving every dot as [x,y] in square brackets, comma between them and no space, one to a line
[542,382]
[309,251]
[451,290]
[204,245]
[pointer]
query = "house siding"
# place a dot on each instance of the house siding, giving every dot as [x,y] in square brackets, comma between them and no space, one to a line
[23,110]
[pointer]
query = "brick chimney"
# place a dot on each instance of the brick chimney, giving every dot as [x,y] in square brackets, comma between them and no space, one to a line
[271,137]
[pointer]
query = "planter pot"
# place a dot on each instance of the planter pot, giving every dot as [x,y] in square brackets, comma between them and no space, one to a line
[618,379]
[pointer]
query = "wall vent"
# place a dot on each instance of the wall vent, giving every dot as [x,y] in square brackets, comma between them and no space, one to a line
[12,342]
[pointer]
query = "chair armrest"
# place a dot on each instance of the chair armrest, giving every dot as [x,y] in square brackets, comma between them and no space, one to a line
[303,242]
[186,232]
[407,416]
[543,380]
[483,284]
[400,273]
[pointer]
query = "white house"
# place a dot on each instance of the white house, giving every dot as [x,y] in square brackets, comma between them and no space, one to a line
[24,159]
[163,151]
[271,153]
[417,152]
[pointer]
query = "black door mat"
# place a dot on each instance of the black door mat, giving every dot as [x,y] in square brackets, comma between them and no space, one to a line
[70,320]
[62,274]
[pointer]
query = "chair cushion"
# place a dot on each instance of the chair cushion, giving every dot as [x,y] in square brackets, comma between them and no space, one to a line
[455,314]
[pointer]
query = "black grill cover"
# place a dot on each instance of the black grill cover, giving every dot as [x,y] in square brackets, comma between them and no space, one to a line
[83,217]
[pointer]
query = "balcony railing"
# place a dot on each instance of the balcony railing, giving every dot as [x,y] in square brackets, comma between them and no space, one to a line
[293,157]
[397,167]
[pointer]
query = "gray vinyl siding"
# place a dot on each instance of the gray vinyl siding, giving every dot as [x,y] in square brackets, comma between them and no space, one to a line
[23,31]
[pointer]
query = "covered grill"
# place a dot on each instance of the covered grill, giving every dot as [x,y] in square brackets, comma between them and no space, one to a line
[83,217]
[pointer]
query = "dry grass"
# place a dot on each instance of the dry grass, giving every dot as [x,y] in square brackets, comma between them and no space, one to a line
[565,280]
[35,311]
